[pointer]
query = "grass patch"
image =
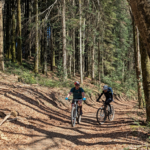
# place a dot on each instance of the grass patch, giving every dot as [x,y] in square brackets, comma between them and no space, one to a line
[26,75]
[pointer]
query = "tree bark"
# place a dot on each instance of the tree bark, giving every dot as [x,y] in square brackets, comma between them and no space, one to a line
[81,73]
[19,39]
[141,12]
[99,74]
[137,63]
[83,47]
[30,15]
[45,52]
[93,61]
[8,32]
[73,44]
[145,63]
[1,38]
[13,44]
[64,38]
[36,38]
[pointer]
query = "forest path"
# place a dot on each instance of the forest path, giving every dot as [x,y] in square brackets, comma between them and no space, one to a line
[89,135]
[115,135]
[44,121]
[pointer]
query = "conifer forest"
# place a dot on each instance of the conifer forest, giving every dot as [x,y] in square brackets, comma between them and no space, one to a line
[106,41]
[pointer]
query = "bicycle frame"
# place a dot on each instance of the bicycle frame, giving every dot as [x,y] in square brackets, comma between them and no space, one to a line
[76,105]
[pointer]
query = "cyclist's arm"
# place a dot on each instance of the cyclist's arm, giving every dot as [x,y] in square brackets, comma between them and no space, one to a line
[101,95]
[111,96]
[83,94]
[69,94]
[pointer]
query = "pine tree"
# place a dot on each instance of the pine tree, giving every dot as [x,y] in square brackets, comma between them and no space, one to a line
[19,39]
[36,63]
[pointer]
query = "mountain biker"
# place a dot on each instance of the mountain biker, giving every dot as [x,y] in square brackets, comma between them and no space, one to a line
[78,93]
[107,91]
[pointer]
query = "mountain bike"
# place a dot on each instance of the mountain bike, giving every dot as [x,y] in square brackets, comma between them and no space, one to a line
[75,113]
[104,112]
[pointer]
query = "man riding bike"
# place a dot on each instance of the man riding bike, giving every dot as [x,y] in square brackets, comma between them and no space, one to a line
[107,91]
[78,93]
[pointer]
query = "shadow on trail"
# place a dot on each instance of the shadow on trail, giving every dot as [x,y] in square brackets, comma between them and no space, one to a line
[62,117]
[77,139]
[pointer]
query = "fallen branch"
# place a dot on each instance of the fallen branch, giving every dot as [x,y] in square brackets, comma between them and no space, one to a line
[13,113]
[5,119]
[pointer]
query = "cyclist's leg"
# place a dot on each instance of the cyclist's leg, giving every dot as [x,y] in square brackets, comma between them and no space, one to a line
[72,103]
[80,105]
[107,102]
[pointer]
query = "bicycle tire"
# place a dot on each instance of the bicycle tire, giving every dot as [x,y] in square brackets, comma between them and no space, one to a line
[79,116]
[101,112]
[73,116]
[112,115]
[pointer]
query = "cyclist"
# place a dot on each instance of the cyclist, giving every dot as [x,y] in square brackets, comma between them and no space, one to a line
[107,91]
[78,93]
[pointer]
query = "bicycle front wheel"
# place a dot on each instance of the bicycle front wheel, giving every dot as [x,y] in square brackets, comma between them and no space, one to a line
[111,114]
[79,116]
[101,115]
[73,116]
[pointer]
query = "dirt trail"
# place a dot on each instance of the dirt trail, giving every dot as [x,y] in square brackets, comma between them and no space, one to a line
[44,122]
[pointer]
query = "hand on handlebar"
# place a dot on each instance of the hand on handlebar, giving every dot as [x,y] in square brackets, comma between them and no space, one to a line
[84,99]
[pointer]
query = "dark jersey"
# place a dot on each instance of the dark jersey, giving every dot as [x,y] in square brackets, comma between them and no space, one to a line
[108,94]
[77,94]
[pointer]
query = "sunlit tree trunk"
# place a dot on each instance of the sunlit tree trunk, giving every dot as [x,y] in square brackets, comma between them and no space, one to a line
[19,39]
[30,15]
[45,52]
[93,61]
[137,63]
[81,73]
[73,43]
[36,38]
[1,38]
[99,74]
[83,49]
[64,38]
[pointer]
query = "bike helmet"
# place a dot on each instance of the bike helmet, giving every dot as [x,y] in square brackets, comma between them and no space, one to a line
[76,83]
[105,87]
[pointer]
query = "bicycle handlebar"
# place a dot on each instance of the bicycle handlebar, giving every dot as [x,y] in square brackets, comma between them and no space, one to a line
[75,100]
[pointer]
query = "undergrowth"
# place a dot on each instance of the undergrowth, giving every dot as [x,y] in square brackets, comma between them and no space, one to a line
[26,75]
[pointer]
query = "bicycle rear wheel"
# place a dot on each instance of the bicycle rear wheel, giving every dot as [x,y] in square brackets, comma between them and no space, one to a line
[112,114]
[101,115]
[73,116]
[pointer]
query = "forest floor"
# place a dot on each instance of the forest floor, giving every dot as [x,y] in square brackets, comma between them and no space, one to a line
[44,121]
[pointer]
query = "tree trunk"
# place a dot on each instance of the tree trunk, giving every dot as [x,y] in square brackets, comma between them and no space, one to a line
[8,32]
[137,63]
[45,52]
[93,61]
[30,15]
[141,13]
[81,73]
[145,63]
[99,74]
[13,47]
[19,39]
[64,38]
[1,38]
[73,44]
[53,52]
[36,38]
[83,47]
